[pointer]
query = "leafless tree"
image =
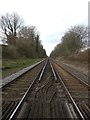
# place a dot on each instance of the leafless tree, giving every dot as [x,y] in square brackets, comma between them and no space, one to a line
[27,32]
[10,24]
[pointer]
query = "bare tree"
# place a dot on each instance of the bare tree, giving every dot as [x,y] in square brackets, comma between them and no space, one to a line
[27,32]
[10,24]
[82,33]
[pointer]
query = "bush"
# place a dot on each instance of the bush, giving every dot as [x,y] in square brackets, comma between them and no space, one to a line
[9,52]
[81,56]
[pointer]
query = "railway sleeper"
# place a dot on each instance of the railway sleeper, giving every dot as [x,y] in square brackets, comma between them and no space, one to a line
[57,114]
[24,112]
[67,111]
[86,110]
[40,109]
[48,110]
[32,109]
[36,109]
[60,109]
[9,110]
[5,106]
[52,109]
[82,111]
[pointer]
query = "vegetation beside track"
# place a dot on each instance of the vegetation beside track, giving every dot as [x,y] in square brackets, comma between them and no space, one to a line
[21,45]
[19,41]
[11,66]
[72,48]
[79,61]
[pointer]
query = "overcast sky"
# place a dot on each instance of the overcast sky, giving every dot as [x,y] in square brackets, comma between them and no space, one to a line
[51,17]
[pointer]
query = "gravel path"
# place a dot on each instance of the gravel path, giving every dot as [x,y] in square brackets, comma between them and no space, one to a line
[74,71]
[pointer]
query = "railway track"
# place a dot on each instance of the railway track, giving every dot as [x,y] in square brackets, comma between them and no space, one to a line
[14,89]
[46,97]
[18,74]
[79,89]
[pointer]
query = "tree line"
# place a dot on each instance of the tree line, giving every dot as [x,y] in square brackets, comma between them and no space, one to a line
[72,42]
[21,41]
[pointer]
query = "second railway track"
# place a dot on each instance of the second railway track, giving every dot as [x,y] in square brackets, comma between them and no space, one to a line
[78,88]
[46,97]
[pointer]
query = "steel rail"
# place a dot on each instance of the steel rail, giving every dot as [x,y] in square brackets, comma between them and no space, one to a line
[53,71]
[13,77]
[71,98]
[55,74]
[42,71]
[77,108]
[25,95]
[40,74]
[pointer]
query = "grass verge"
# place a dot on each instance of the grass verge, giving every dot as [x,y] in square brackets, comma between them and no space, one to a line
[12,66]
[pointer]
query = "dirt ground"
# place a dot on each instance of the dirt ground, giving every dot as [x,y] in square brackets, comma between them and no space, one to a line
[80,66]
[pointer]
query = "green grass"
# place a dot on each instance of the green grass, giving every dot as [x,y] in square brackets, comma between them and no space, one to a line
[12,66]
